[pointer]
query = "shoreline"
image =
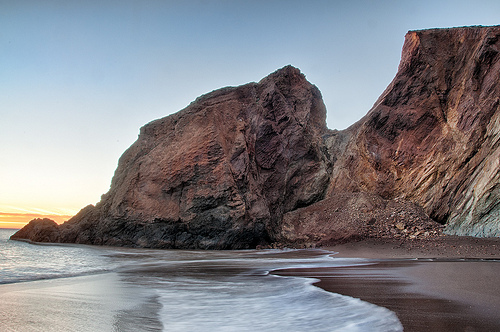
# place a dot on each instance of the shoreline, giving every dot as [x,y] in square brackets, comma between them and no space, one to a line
[95,302]
[441,284]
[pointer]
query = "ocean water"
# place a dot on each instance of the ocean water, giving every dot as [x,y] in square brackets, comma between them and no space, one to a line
[88,288]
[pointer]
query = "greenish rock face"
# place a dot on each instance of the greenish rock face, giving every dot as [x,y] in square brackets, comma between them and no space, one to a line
[482,219]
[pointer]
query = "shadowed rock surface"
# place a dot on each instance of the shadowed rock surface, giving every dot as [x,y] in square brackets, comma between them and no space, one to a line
[255,165]
[39,230]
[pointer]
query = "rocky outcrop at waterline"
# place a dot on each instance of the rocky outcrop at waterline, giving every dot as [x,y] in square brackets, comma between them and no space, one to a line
[256,165]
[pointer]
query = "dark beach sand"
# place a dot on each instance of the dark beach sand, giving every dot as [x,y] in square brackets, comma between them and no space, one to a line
[445,284]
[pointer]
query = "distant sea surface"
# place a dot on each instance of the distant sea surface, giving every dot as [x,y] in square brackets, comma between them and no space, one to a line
[88,288]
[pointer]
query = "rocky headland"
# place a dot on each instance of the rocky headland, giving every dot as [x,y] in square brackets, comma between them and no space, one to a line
[255,165]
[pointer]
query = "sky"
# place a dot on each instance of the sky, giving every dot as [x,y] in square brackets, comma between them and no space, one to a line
[79,78]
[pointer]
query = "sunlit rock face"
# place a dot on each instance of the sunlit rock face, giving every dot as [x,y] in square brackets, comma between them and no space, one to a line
[255,165]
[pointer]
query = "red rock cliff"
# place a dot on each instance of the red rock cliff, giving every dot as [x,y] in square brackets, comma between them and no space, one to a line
[433,136]
[256,164]
[431,139]
[219,174]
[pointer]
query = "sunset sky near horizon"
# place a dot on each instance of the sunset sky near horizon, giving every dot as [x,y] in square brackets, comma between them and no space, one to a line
[79,78]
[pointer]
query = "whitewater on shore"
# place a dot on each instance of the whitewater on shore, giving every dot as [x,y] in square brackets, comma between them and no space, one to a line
[89,288]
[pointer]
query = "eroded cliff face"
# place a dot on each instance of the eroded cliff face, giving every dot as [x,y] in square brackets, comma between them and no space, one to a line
[255,165]
[433,136]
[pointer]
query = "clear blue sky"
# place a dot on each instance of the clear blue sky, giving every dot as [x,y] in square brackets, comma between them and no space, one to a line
[79,78]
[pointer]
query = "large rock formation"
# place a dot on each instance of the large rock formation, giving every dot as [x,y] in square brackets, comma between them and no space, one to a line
[255,164]
[219,174]
[433,136]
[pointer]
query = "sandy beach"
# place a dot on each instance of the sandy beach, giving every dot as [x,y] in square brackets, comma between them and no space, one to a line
[439,284]
[444,284]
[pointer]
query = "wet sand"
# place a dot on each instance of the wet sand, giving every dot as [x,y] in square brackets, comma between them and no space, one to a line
[100,302]
[450,284]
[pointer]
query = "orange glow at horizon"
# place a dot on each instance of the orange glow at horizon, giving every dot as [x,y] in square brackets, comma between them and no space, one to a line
[17,220]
